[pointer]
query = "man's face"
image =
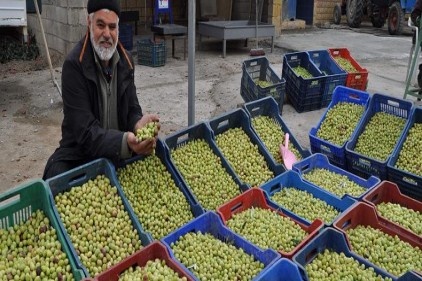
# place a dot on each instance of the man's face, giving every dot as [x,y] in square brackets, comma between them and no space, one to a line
[104,33]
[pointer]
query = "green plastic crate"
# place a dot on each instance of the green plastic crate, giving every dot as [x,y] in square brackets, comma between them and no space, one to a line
[19,203]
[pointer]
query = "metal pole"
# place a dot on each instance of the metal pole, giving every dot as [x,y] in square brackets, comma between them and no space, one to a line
[191,62]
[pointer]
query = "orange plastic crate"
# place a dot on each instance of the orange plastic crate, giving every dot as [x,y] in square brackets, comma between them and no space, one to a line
[357,80]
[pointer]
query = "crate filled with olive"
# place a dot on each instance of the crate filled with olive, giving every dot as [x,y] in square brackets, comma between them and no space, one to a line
[260,80]
[211,251]
[357,76]
[396,207]
[152,262]
[242,148]
[31,242]
[303,201]
[382,244]
[271,129]
[250,216]
[317,170]
[160,202]
[202,169]
[405,164]
[377,136]
[338,123]
[96,216]
[329,257]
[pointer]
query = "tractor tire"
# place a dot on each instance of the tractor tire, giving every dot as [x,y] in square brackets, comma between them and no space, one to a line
[377,18]
[337,14]
[395,19]
[354,12]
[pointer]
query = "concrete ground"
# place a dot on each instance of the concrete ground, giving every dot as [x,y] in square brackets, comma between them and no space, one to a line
[31,106]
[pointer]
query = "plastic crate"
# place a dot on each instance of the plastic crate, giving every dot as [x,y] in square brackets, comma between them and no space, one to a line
[151,53]
[197,131]
[409,183]
[282,270]
[80,175]
[155,250]
[365,214]
[357,80]
[363,165]
[334,240]
[320,161]
[260,69]
[389,192]
[291,179]
[335,153]
[238,118]
[161,153]
[19,203]
[211,223]
[268,107]
[304,94]
[334,75]
[255,197]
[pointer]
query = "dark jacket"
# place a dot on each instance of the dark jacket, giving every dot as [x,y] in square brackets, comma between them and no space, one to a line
[417,10]
[83,139]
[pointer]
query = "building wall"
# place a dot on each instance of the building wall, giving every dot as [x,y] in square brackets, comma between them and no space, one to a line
[323,11]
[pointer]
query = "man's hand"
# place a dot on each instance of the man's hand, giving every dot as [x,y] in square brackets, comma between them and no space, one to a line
[145,147]
[147,118]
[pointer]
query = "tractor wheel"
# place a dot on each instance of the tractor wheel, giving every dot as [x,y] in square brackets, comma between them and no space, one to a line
[337,14]
[395,19]
[377,18]
[354,12]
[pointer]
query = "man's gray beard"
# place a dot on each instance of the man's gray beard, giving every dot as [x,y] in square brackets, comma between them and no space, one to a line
[104,54]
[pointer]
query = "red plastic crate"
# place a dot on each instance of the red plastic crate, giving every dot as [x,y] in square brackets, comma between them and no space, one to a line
[357,80]
[363,213]
[389,192]
[155,250]
[255,197]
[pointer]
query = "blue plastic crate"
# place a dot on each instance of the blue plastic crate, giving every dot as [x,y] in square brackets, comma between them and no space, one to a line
[334,75]
[162,154]
[18,204]
[80,175]
[363,165]
[333,240]
[151,53]
[337,154]
[259,68]
[409,183]
[197,131]
[238,118]
[211,223]
[292,179]
[268,107]
[304,94]
[320,161]
[282,270]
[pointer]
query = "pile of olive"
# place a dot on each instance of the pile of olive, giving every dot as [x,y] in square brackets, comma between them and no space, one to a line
[153,270]
[332,266]
[301,71]
[244,157]
[263,228]
[211,259]
[264,83]
[380,136]
[345,64]
[271,134]
[305,205]
[159,204]
[335,183]
[409,157]
[146,132]
[408,218]
[340,122]
[386,251]
[32,251]
[204,174]
[99,227]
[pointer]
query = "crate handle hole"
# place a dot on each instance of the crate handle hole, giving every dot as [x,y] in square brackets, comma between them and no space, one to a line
[78,179]
[311,255]
[182,139]
[374,198]
[222,124]
[236,207]
[346,224]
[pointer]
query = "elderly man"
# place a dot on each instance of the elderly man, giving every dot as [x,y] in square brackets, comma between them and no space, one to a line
[100,106]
